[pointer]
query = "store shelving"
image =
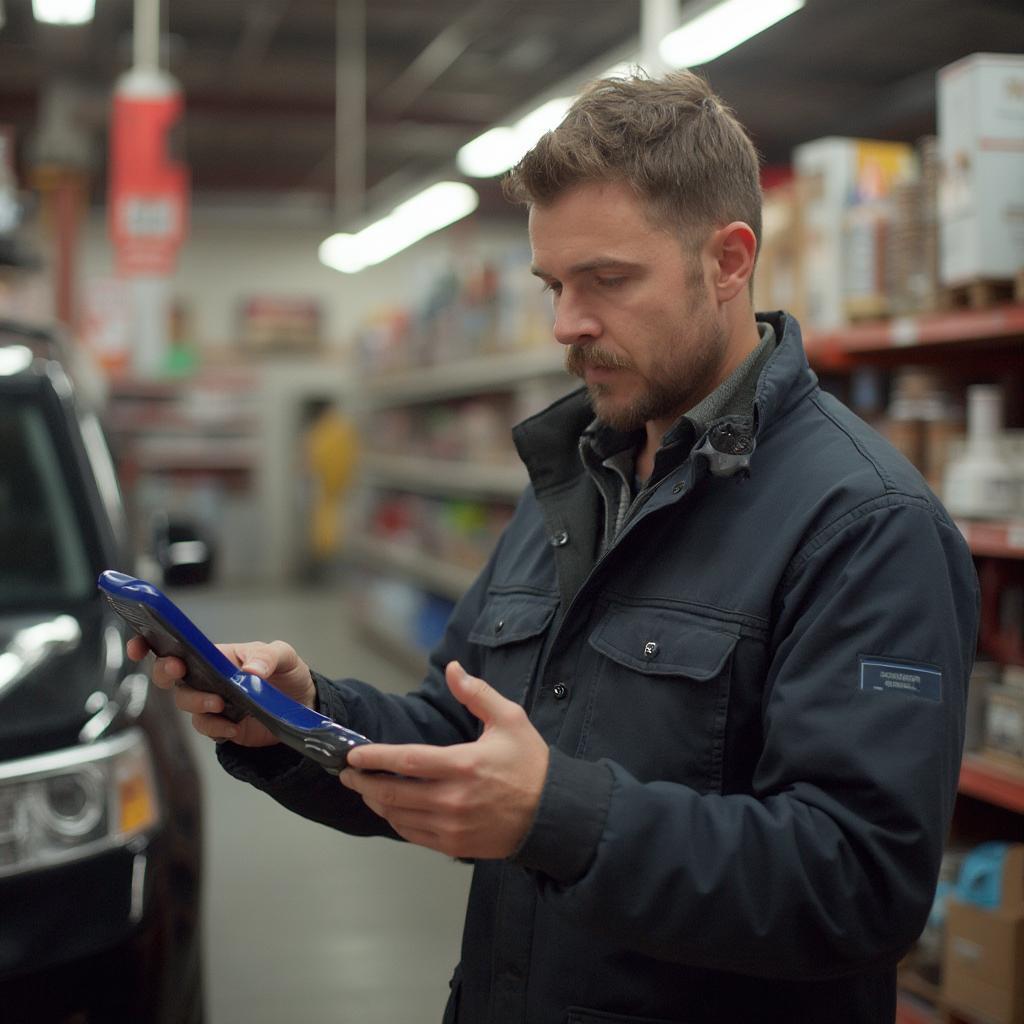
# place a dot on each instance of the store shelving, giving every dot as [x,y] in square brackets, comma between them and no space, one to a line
[993,782]
[998,539]
[437,575]
[970,343]
[445,458]
[837,350]
[477,375]
[446,476]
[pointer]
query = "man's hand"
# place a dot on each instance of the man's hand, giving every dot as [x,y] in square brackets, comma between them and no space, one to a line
[473,800]
[277,663]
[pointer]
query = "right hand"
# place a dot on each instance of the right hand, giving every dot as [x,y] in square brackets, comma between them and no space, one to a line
[277,663]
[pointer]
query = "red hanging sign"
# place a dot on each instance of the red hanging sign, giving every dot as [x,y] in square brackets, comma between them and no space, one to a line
[148,200]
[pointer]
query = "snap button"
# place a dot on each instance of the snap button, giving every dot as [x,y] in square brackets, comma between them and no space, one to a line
[650,649]
[679,488]
[560,539]
[499,625]
[560,690]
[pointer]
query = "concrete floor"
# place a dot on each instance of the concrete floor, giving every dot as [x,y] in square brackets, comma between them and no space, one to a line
[303,923]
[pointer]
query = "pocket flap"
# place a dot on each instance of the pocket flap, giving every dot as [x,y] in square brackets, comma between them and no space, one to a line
[660,642]
[511,618]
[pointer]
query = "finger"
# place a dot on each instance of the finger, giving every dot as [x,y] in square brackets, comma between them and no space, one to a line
[475,695]
[215,727]
[420,837]
[197,702]
[411,760]
[137,648]
[167,671]
[383,790]
[263,660]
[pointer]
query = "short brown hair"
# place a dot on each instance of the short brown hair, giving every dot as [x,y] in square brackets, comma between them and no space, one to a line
[672,139]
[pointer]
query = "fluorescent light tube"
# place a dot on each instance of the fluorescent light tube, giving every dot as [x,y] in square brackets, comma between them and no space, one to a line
[429,211]
[497,150]
[489,154]
[64,12]
[722,28]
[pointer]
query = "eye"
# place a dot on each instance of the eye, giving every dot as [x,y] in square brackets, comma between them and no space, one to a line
[553,286]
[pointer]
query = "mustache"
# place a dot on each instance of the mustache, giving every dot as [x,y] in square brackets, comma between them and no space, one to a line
[579,357]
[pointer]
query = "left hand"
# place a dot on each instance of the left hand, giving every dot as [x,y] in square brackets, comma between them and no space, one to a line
[472,800]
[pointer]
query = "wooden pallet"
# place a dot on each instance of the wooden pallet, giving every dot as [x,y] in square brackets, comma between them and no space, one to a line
[982,293]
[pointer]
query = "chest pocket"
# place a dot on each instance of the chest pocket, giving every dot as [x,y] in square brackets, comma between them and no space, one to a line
[660,702]
[511,630]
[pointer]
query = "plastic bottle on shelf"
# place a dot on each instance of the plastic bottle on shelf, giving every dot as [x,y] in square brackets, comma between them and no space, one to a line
[982,482]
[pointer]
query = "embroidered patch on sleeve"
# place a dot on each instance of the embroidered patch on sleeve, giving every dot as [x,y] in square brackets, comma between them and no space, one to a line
[881,676]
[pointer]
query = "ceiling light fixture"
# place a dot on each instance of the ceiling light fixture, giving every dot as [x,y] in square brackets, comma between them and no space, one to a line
[722,28]
[432,209]
[64,12]
[497,150]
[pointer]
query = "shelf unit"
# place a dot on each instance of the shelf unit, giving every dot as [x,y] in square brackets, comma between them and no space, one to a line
[524,380]
[435,574]
[446,476]
[991,794]
[479,375]
[840,350]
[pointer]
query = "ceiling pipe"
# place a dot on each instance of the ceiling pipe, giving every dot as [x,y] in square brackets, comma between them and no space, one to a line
[146,36]
[433,61]
[350,112]
[657,19]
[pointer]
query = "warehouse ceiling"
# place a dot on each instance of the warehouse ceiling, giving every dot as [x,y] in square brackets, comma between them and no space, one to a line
[259,78]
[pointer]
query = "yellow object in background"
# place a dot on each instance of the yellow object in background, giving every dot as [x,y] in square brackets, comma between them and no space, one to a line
[331,452]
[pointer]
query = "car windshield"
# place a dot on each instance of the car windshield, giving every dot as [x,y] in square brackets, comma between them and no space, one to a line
[43,557]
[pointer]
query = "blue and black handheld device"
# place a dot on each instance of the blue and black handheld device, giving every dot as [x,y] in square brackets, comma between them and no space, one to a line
[169,632]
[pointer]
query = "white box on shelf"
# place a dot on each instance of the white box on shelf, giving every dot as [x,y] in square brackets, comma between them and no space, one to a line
[981,186]
[834,176]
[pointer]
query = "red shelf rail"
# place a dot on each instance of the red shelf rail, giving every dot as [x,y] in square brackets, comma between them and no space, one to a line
[833,349]
[981,778]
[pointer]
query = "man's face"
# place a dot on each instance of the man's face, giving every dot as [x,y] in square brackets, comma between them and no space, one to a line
[630,303]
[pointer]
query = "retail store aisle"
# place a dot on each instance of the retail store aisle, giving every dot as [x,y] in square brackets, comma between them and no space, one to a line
[303,923]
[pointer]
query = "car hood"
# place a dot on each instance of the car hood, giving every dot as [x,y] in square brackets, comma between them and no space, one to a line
[51,662]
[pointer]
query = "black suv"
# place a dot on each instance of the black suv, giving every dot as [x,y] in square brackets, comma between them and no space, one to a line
[100,815]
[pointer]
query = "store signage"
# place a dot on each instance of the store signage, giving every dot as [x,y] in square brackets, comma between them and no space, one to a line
[148,202]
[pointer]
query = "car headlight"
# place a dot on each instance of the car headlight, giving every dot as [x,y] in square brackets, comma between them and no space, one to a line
[76,802]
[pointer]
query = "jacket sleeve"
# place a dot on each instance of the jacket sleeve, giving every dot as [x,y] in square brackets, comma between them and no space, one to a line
[828,865]
[428,715]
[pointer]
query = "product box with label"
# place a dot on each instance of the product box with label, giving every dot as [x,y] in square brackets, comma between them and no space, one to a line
[1004,721]
[981,182]
[983,962]
[844,185]
[779,281]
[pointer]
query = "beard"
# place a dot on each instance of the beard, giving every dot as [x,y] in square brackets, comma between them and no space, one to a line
[683,372]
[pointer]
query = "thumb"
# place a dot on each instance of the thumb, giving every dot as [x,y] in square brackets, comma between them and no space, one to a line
[474,694]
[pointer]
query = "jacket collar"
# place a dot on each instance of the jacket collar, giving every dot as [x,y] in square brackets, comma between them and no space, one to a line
[548,441]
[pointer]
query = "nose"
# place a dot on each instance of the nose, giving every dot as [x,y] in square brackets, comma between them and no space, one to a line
[574,324]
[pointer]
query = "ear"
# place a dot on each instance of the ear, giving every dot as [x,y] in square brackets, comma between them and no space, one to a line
[733,249]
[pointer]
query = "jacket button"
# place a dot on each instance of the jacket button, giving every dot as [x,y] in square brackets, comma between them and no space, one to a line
[650,649]
[679,488]
[560,539]
[499,625]
[560,690]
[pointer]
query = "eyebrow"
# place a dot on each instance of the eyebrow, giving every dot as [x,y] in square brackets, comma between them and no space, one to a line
[598,263]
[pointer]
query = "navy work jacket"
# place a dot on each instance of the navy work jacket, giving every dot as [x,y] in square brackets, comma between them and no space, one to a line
[754,700]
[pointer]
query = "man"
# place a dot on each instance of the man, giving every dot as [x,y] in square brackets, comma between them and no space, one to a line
[699,720]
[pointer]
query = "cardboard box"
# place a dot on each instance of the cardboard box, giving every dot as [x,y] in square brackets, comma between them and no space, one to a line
[983,961]
[981,184]
[779,280]
[1004,725]
[841,248]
